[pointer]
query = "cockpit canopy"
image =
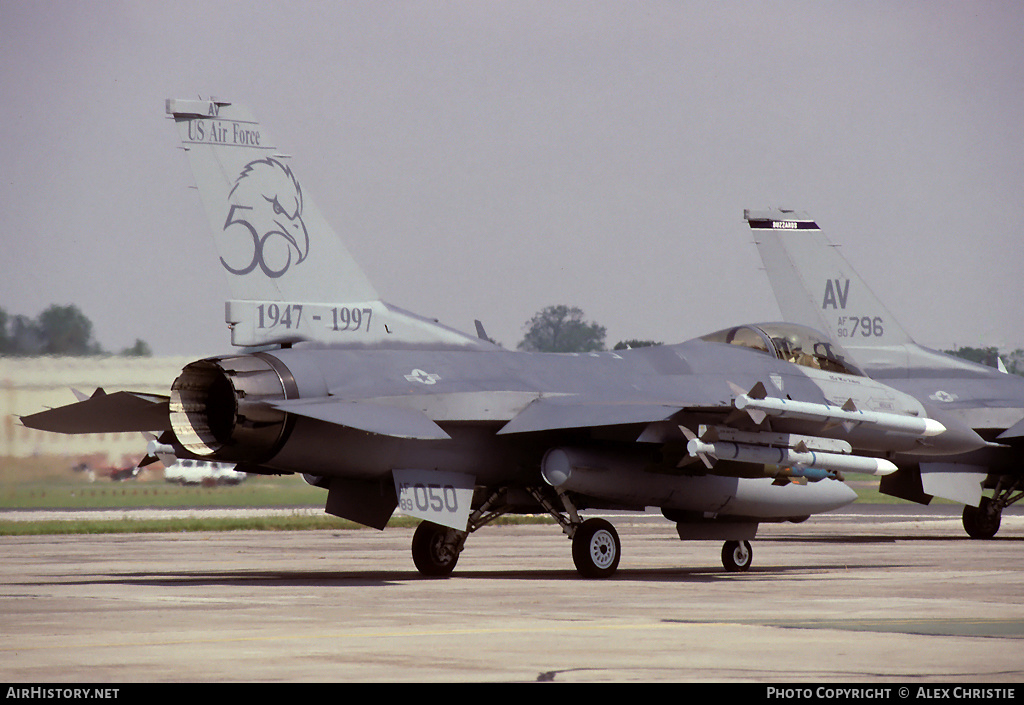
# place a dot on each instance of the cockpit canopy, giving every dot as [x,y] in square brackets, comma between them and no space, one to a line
[790,342]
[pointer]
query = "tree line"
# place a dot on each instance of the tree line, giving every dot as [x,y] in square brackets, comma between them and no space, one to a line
[991,356]
[562,329]
[59,330]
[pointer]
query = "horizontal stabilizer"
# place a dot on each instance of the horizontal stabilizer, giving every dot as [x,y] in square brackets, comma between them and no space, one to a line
[549,414]
[367,416]
[1015,431]
[106,413]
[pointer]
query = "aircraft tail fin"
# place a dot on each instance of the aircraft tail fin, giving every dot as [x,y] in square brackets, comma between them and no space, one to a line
[290,276]
[815,285]
[273,243]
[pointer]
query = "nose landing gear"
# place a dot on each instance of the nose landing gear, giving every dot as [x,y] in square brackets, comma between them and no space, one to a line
[737,556]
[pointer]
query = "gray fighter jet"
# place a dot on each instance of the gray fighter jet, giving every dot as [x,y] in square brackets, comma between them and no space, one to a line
[386,409]
[816,286]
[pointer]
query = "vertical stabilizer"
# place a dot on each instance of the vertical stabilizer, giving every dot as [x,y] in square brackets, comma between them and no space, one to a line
[815,285]
[274,244]
[290,276]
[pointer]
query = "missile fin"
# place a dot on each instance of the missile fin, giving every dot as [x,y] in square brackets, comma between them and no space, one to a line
[757,416]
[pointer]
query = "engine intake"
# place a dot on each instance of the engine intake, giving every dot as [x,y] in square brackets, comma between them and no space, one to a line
[218,407]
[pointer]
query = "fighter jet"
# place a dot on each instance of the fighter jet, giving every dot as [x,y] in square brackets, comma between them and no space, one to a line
[816,286]
[386,409]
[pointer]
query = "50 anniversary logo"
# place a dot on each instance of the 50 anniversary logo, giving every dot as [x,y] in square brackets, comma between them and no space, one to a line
[267,205]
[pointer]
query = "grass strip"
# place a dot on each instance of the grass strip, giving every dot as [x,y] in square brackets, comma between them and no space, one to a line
[154,526]
[297,522]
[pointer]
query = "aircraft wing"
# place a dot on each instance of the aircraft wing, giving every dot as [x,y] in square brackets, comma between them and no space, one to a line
[383,419]
[105,413]
[417,416]
[549,414]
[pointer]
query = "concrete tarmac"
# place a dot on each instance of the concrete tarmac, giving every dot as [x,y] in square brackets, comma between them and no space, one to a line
[870,594]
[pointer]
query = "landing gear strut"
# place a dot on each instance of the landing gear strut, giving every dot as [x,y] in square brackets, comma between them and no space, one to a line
[595,542]
[596,548]
[436,548]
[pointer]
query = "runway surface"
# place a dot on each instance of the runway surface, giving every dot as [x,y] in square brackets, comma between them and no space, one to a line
[870,594]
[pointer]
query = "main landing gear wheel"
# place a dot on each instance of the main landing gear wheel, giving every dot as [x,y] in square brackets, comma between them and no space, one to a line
[596,548]
[982,522]
[737,555]
[433,550]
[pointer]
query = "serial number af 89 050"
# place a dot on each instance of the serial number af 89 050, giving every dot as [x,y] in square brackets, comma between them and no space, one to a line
[440,497]
[417,496]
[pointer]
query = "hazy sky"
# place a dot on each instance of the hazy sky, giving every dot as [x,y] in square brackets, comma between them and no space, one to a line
[487,159]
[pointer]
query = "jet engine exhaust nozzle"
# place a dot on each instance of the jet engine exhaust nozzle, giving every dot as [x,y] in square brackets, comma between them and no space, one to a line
[217,408]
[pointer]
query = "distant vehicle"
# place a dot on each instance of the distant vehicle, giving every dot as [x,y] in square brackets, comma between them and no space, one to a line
[129,472]
[203,472]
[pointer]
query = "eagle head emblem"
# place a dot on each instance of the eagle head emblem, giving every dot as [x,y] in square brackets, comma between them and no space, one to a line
[266,209]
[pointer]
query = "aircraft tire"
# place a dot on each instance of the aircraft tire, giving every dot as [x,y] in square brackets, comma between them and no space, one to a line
[428,553]
[596,549]
[737,556]
[982,522]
